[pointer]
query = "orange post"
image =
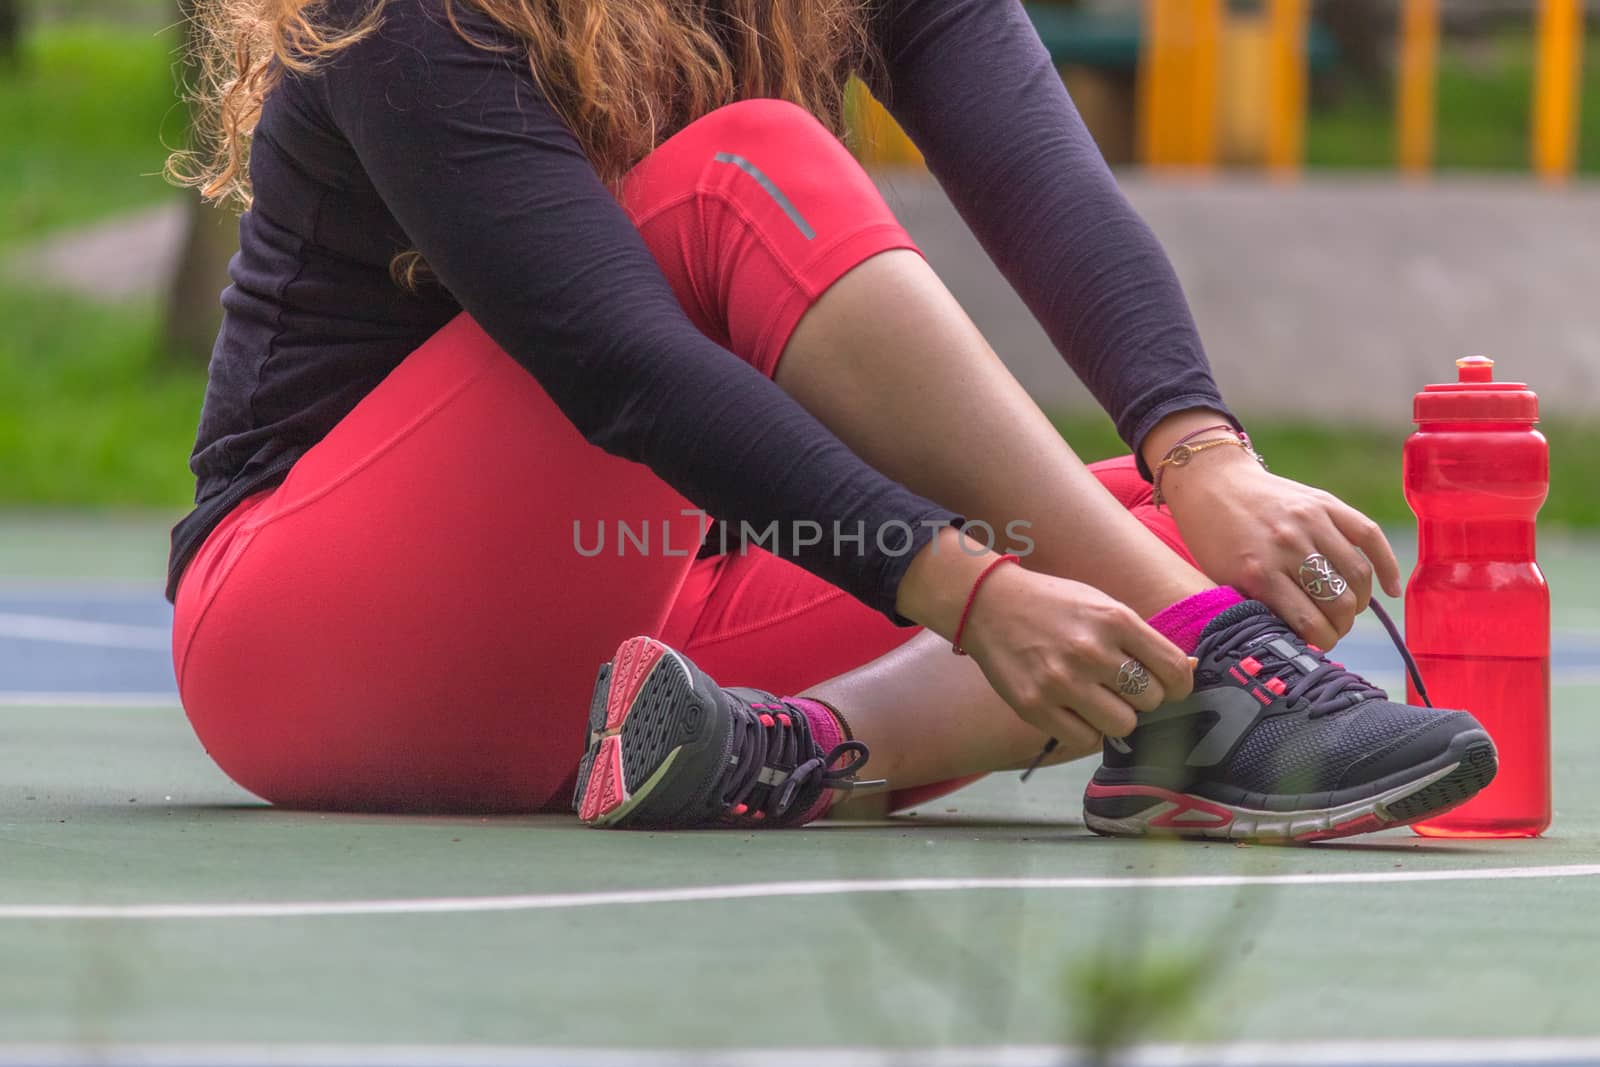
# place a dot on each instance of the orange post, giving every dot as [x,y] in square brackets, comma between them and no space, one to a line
[1286,89]
[1555,91]
[1418,77]
[1177,92]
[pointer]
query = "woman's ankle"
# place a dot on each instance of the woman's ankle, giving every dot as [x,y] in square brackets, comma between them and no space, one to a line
[828,730]
[1182,623]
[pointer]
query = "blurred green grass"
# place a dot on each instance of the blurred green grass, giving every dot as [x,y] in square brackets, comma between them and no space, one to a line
[1485,97]
[82,125]
[91,413]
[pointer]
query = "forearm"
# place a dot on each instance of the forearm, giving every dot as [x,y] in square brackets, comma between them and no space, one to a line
[934,591]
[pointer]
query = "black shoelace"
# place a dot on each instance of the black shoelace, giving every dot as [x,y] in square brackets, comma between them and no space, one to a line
[1405,653]
[1324,686]
[771,770]
[1327,687]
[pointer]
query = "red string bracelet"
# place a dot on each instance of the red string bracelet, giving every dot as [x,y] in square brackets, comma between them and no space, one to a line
[955,642]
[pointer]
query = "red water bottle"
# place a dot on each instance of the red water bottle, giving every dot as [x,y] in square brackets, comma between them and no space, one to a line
[1477,607]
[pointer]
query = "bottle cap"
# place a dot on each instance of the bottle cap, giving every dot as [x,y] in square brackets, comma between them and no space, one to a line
[1476,397]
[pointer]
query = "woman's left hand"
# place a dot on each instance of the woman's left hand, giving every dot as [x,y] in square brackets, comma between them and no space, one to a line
[1251,529]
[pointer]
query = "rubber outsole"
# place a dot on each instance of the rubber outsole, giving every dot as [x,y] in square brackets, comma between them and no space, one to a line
[1476,770]
[1171,814]
[643,713]
[661,745]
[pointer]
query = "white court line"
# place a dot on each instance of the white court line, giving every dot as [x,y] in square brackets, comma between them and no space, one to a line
[753,891]
[1511,1052]
[78,589]
[88,700]
[79,632]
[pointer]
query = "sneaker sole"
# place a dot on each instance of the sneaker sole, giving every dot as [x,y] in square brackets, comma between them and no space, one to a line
[1434,792]
[647,692]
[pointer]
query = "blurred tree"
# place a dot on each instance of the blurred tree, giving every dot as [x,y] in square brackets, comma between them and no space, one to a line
[194,308]
[1364,31]
[10,30]
[211,236]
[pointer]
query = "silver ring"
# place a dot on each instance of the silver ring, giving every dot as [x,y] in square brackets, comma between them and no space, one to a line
[1320,580]
[1133,678]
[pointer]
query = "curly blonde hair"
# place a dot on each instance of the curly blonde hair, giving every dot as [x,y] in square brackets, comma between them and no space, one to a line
[623,74]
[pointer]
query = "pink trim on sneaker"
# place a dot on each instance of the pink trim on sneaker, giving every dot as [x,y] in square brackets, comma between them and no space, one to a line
[828,735]
[1184,621]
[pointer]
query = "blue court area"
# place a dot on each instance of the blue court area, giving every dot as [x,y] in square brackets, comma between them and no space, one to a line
[152,913]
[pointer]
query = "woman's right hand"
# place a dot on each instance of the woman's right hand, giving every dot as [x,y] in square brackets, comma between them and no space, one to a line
[1051,647]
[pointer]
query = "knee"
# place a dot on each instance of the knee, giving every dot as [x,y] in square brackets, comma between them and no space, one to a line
[742,207]
[766,137]
[748,124]
[1120,475]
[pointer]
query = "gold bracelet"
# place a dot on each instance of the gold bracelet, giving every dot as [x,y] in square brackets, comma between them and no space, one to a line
[1181,454]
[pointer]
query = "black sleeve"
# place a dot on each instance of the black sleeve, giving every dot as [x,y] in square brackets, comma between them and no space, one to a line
[495,192]
[976,91]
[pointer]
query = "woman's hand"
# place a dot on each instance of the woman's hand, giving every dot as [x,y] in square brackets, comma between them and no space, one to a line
[1052,648]
[1251,529]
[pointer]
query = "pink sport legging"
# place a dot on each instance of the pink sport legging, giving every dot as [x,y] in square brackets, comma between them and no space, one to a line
[405,624]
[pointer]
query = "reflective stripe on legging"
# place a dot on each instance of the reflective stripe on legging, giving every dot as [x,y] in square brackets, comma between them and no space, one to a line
[772,190]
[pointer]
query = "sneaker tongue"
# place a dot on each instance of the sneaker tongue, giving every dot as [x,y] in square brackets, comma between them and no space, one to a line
[1245,609]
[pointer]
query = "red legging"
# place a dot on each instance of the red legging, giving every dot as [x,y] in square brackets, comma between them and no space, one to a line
[406,623]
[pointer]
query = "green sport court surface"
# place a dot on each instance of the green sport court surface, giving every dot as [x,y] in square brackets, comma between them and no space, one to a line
[151,913]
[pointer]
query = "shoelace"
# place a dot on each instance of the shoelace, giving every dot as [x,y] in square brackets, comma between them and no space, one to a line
[767,774]
[1323,683]
[1400,647]
[1326,686]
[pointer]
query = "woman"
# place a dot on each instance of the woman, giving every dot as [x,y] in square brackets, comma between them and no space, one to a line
[519,276]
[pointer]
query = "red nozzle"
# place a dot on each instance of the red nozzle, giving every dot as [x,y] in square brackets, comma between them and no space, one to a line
[1475,396]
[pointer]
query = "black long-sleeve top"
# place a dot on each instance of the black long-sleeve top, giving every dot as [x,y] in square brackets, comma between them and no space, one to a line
[415,138]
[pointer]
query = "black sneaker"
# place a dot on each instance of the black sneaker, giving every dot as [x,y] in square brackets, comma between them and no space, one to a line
[671,749]
[1279,743]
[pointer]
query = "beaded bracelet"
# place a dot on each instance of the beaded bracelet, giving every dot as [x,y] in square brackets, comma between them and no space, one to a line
[955,642]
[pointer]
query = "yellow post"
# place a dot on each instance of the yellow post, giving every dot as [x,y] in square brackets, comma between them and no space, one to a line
[873,133]
[1555,89]
[1418,76]
[1286,87]
[1180,41]
[1161,69]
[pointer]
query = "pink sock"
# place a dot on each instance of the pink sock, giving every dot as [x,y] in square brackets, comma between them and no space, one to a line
[825,731]
[1183,622]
